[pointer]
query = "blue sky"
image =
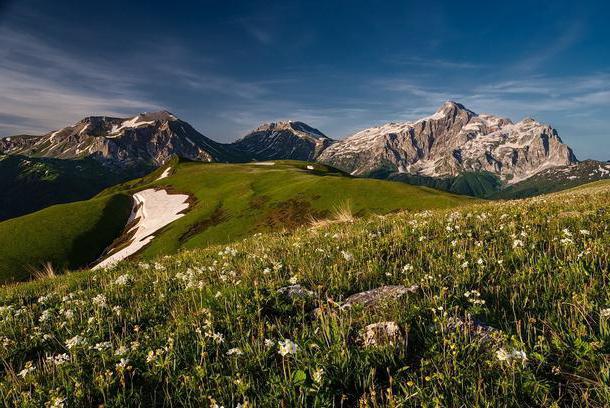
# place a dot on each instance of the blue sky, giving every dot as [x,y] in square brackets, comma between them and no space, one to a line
[340,66]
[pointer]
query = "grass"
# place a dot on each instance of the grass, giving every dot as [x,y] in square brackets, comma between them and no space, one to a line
[203,327]
[233,201]
[64,236]
[228,202]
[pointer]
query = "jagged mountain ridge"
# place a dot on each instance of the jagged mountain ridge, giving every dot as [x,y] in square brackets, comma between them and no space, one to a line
[452,141]
[438,150]
[146,138]
[284,140]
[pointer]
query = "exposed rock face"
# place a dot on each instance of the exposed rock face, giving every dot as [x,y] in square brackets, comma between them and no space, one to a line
[382,334]
[283,140]
[378,296]
[146,138]
[451,141]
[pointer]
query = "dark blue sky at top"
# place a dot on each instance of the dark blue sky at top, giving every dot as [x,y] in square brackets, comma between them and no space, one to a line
[227,66]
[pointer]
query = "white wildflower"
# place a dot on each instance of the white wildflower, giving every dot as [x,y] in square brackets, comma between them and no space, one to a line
[287,347]
[27,369]
[234,351]
[100,300]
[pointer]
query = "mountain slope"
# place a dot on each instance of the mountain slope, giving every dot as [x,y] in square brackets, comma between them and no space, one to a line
[29,184]
[283,141]
[452,141]
[227,202]
[65,235]
[149,138]
[507,305]
[556,179]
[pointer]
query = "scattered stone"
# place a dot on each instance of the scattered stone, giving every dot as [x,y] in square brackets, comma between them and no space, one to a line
[296,292]
[382,334]
[377,296]
[474,328]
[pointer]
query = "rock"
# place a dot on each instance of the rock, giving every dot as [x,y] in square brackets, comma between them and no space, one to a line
[296,292]
[452,141]
[382,334]
[377,296]
[473,328]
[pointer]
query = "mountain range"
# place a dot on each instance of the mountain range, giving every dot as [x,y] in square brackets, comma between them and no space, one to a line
[454,149]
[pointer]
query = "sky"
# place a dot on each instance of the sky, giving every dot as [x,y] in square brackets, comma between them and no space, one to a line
[340,66]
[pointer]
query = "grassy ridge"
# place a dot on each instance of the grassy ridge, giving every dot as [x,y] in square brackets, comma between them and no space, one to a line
[229,202]
[236,201]
[68,235]
[204,327]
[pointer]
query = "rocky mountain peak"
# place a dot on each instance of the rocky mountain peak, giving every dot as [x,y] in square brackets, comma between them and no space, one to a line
[451,141]
[150,138]
[284,140]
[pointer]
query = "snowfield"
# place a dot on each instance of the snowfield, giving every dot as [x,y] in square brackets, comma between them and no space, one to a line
[164,174]
[152,210]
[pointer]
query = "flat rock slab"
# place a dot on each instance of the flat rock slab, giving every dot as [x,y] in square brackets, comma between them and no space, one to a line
[378,296]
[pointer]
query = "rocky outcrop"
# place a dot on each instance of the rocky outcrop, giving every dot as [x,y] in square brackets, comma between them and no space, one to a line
[452,141]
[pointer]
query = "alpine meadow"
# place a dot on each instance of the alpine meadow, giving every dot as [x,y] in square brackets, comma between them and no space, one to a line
[304,204]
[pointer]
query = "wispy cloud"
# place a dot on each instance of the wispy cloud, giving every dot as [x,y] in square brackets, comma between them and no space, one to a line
[437,63]
[41,87]
[566,38]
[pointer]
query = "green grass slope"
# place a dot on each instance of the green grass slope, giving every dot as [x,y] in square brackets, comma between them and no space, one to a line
[209,326]
[232,201]
[228,202]
[67,235]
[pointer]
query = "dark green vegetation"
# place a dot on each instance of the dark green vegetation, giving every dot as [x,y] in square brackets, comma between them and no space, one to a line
[66,235]
[228,202]
[204,327]
[29,184]
[481,184]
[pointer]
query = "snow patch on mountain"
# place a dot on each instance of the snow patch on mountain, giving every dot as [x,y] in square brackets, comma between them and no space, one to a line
[152,210]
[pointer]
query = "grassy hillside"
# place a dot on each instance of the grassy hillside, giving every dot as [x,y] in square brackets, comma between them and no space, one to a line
[511,308]
[233,201]
[68,235]
[30,184]
[229,202]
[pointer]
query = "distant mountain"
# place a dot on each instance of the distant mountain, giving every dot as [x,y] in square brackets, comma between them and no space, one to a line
[28,184]
[452,141]
[149,138]
[283,140]
[556,179]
